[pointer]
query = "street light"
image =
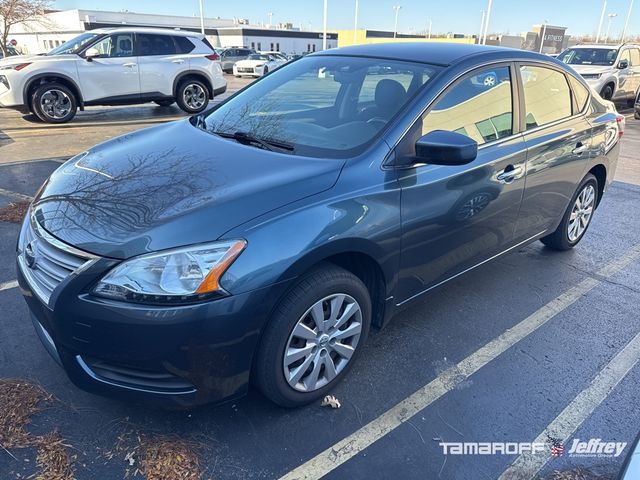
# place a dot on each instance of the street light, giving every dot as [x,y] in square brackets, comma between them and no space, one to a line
[544,33]
[270,15]
[355,26]
[324,28]
[395,28]
[626,23]
[604,10]
[486,23]
[430,25]
[611,17]
[484,13]
[202,17]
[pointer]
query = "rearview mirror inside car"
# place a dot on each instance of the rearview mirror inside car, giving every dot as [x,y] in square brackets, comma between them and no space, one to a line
[441,147]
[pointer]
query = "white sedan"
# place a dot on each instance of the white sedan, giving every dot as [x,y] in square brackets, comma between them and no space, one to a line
[256,65]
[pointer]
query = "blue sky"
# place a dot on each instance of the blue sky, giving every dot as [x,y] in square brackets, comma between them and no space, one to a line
[459,16]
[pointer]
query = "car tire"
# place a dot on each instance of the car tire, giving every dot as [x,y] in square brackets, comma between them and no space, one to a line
[54,103]
[636,115]
[165,103]
[607,92]
[324,286]
[192,95]
[562,238]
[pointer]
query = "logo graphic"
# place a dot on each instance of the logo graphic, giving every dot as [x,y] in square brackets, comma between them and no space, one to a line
[30,253]
[557,447]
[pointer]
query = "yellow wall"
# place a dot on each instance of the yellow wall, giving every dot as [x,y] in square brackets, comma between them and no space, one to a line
[345,38]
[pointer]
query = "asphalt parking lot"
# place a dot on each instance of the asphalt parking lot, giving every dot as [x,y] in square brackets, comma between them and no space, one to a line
[533,345]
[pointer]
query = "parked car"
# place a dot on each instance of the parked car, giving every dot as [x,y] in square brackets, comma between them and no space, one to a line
[230,56]
[636,113]
[10,50]
[278,56]
[260,241]
[114,66]
[612,70]
[256,65]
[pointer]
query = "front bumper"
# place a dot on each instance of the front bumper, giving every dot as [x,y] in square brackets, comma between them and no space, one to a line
[181,355]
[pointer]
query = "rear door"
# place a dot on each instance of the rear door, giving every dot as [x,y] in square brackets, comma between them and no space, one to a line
[114,74]
[455,217]
[160,63]
[635,67]
[557,135]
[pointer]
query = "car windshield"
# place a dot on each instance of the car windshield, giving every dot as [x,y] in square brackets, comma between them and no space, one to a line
[74,45]
[256,56]
[322,106]
[589,56]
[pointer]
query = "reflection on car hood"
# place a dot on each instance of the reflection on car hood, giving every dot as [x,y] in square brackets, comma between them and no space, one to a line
[36,58]
[170,186]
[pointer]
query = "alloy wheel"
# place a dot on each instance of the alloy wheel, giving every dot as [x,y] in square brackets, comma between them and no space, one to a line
[581,213]
[55,104]
[322,342]
[194,96]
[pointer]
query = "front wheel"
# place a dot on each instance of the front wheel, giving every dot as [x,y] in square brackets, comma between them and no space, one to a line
[607,92]
[577,217]
[313,337]
[54,103]
[192,96]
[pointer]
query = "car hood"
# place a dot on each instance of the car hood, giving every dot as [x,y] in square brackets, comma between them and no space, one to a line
[251,63]
[37,58]
[587,69]
[170,186]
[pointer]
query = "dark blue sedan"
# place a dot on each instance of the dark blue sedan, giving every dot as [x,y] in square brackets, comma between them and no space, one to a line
[260,241]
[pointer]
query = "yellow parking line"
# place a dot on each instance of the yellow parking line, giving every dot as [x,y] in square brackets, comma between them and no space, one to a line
[347,448]
[526,466]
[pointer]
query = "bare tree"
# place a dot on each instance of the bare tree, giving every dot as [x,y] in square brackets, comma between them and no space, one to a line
[18,11]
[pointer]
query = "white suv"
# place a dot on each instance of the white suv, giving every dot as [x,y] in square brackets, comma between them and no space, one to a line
[612,70]
[114,66]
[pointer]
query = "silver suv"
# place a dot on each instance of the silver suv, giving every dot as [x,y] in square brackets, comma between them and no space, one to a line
[612,70]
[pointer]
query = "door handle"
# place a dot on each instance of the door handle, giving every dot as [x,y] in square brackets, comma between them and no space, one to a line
[509,174]
[177,61]
[580,149]
[129,65]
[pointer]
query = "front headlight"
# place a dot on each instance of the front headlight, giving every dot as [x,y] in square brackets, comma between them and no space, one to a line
[591,76]
[259,65]
[172,276]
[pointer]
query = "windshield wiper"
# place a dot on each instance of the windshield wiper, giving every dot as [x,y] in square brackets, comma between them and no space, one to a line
[249,139]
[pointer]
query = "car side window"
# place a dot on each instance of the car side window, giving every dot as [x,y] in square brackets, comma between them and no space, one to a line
[547,96]
[479,106]
[114,46]
[635,57]
[625,55]
[580,95]
[151,44]
[384,85]
[184,45]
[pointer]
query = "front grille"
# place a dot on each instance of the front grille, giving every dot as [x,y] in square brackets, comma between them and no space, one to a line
[46,261]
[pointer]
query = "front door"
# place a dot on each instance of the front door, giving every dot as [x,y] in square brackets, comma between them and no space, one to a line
[113,74]
[455,217]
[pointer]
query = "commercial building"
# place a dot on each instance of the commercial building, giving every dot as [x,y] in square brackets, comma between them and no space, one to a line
[56,27]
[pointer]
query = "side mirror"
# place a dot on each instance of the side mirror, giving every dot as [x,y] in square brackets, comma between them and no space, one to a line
[441,147]
[623,64]
[91,53]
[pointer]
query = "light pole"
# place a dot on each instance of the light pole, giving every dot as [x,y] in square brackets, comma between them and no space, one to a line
[604,10]
[626,23]
[395,28]
[202,16]
[355,26]
[430,25]
[611,17]
[486,24]
[270,15]
[544,33]
[484,13]
[324,28]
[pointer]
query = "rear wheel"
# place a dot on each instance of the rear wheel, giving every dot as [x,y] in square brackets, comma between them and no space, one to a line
[54,103]
[607,92]
[192,96]
[577,217]
[313,337]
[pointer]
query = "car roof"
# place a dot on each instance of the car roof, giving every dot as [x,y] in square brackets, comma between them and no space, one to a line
[436,53]
[161,31]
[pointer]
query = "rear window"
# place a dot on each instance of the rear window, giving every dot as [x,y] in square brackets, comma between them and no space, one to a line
[183,44]
[580,94]
[206,42]
[151,44]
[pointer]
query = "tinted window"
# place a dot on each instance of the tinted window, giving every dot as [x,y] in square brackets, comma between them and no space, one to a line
[589,56]
[635,57]
[150,44]
[118,45]
[546,95]
[312,104]
[206,42]
[480,106]
[580,94]
[381,78]
[183,44]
